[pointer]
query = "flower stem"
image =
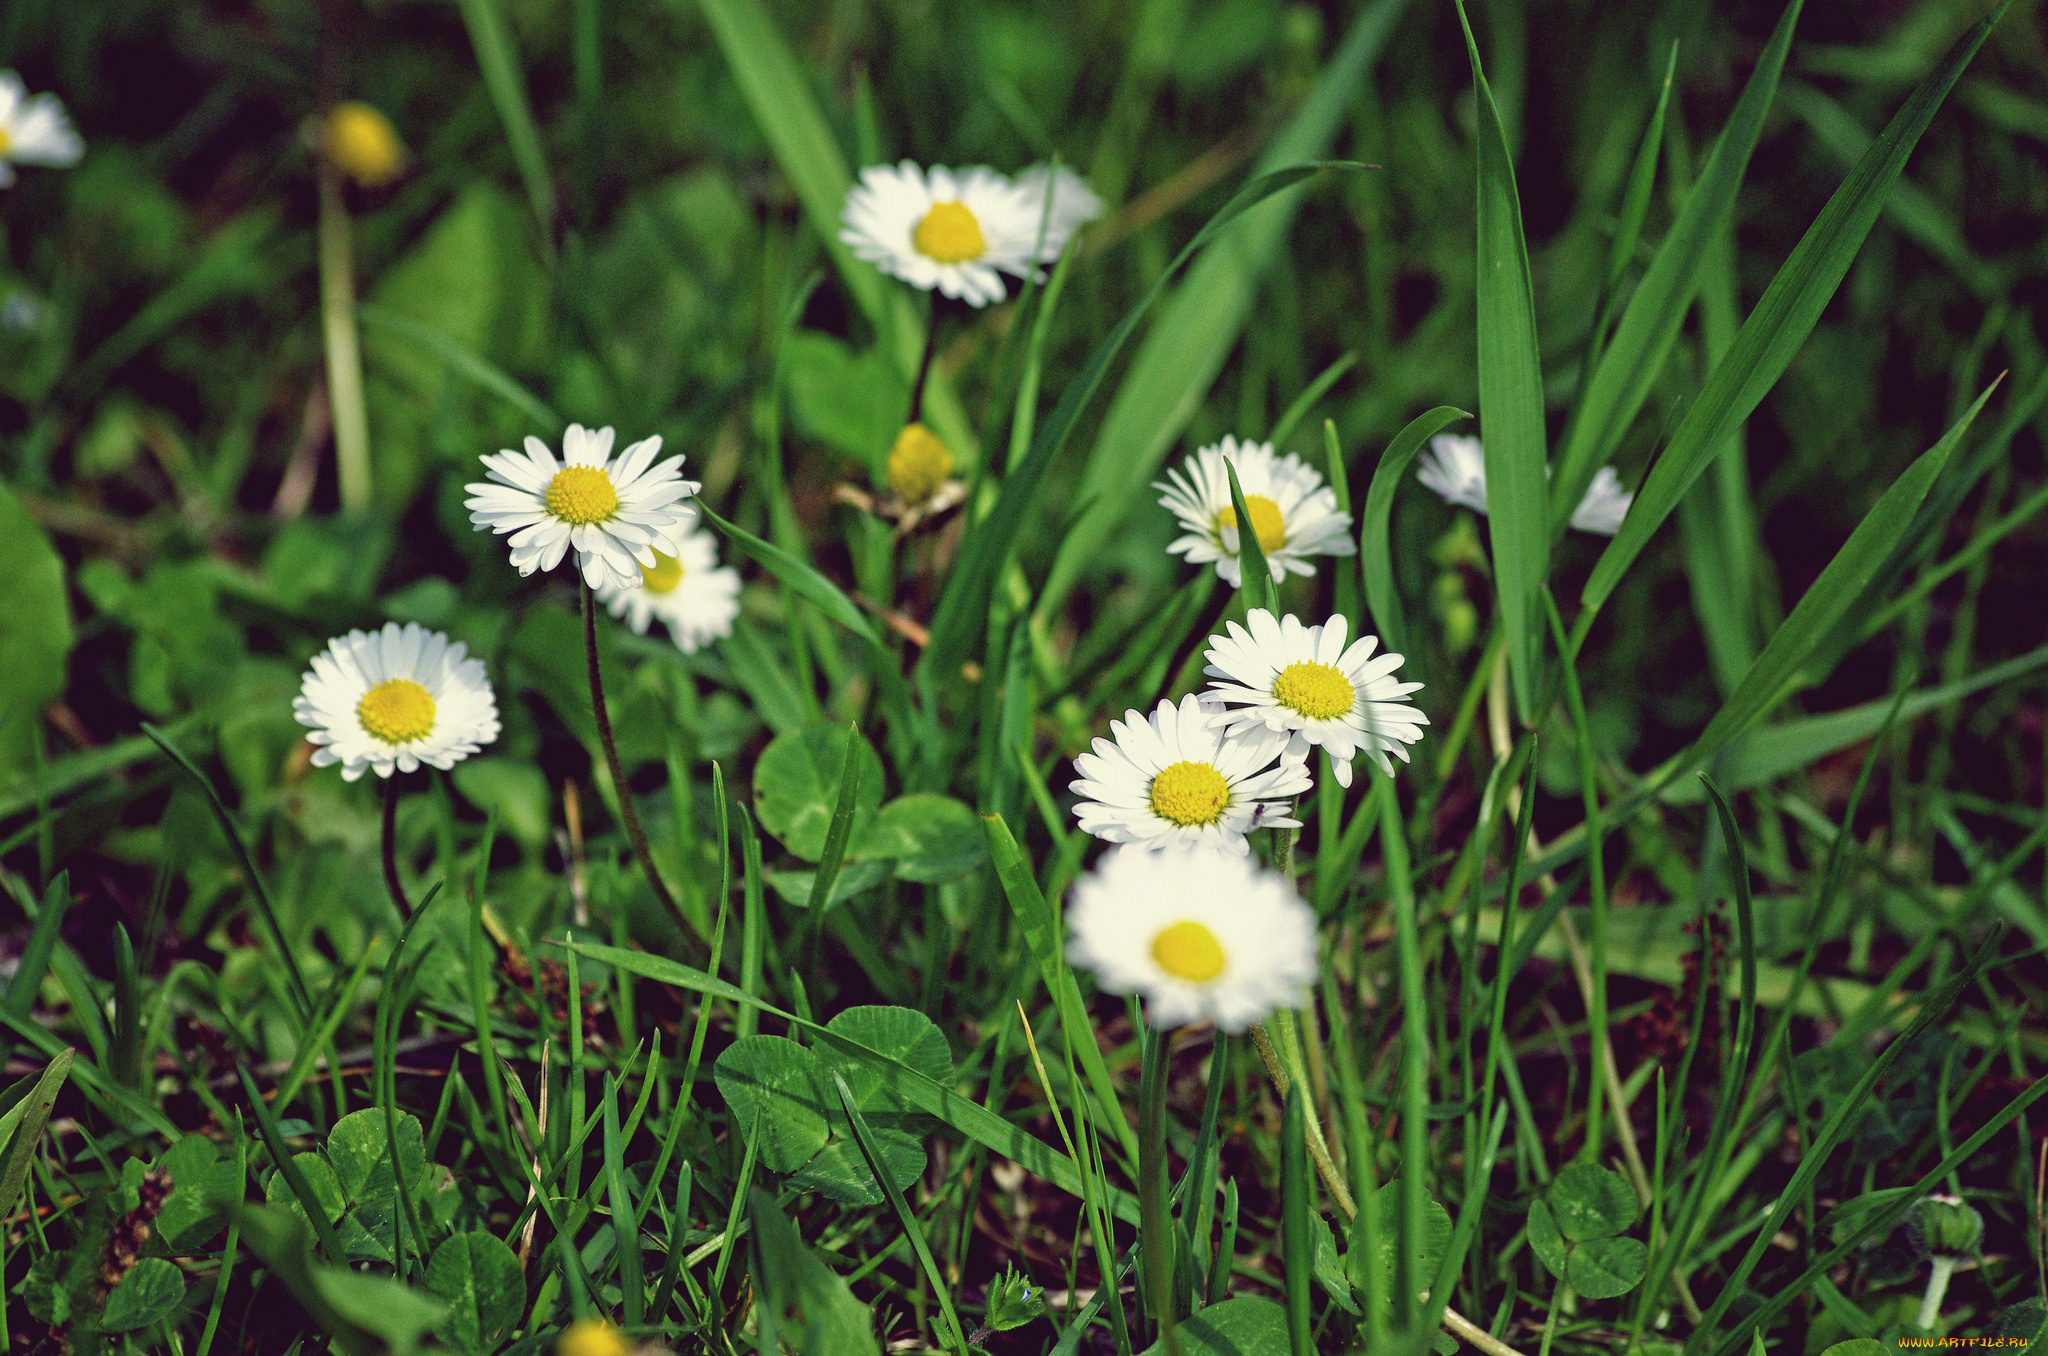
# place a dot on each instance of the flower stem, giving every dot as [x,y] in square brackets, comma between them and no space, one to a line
[344,356]
[391,881]
[620,789]
[1155,1226]
[1937,1290]
[924,367]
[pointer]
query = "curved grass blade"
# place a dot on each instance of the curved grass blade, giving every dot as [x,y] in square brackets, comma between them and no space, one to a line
[1621,380]
[497,58]
[1259,589]
[1827,600]
[301,1189]
[1201,323]
[1375,542]
[1306,401]
[836,836]
[464,360]
[1785,315]
[963,607]
[302,997]
[1510,399]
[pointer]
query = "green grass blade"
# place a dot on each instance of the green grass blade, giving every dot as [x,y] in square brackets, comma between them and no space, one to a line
[497,58]
[464,360]
[1297,1224]
[1414,1190]
[1375,534]
[31,1115]
[295,1180]
[1259,589]
[1621,381]
[1201,322]
[1041,936]
[1345,592]
[904,1215]
[1306,401]
[934,1099]
[1827,600]
[1510,400]
[27,980]
[625,1215]
[1785,315]
[836,836]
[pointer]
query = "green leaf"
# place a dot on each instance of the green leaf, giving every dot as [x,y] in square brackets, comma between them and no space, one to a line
[932,838]
[773,1086]
[1862,1346]
[851,402]
[1783,318]
[498,58]
[1330,1268]
[1375,540]
[393,1313]
[797,783]
[480,1281]
[1236,1327]
[1255,574]
[855,879]
[1650,324]
[1428,1247]
[1590,1201]
[1510,399]
[1201,323]
[841,1171]
[1827,600]
[1602,1268]
[460,358]
[903,1035]
[810,1307]
[205,1185]
[517,790]
[1544,1239]
[35,630]
[152,1288]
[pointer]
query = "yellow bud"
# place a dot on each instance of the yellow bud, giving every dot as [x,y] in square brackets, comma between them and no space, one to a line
[362,144]
[918,464]
[593,1337]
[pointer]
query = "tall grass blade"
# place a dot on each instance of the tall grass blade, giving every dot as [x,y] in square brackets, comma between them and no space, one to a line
[837,835]
[497,58]
[1375,532]
[1259,590]
[1785,315]
[1297,1223]
[1622,380]
[1510,399]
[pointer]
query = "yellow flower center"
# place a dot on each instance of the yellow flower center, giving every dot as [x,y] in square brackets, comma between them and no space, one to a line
[1188,951]
[918,464]
[1318,691]
[397,711]
[582,494]
[592,1337]
[362,145]
[6,142]
[1267,521]
[663,575]
[949,234]
[1190,793]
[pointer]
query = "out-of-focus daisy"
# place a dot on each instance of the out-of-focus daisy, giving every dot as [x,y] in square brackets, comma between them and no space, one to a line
[1293,512]
[1455,467]
[34,129]
[688,590]
[957,231]
[394,699]
[613,512]
[920,478]
[1303,681]
[1198,933]
[1074,204]
[1171,780]
[592,1336]
[361,143]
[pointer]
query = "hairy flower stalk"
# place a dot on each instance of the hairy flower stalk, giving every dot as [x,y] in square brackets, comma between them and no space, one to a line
[344,351]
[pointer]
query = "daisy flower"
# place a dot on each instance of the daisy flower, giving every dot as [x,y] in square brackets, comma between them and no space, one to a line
[957,231]
[1303,681]
[394,699]
[1074,204]
[615,513]
[1198,933]
[1455,467]
[33,130]
[689,591]
[1293,512]
[1171,780]
[362,143]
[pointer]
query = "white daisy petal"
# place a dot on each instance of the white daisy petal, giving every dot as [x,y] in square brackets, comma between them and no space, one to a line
[393,699]
[614,513]
[685,588]
[1307,682]
[34,129]
[1170,780]
[1201,934]
[1455,467]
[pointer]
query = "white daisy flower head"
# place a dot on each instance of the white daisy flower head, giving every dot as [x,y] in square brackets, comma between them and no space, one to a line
[613,512]
[1455,467]
[34,129]
[394,699]
[691,594]
[1293,512]
[1172,780]
[957,231]
[1305,682]
[1199,933]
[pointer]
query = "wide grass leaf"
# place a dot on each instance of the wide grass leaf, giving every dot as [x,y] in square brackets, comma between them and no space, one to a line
[1375,541]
